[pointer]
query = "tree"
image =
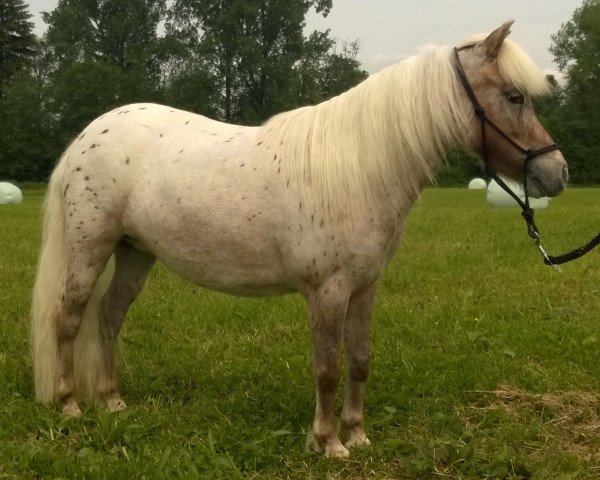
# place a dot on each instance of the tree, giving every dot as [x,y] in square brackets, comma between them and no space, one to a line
[27,144]
[106,53]
[340,70]
[257,54]
[576,50]
[17,42]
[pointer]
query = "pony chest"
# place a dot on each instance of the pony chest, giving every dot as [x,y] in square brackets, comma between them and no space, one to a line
[360,255]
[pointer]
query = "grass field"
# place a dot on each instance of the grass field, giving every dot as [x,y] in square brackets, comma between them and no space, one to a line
[485,364]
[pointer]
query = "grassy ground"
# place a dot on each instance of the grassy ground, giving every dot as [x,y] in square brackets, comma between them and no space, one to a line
[485,364]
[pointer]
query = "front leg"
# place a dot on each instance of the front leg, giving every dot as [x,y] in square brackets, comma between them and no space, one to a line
[356,338]
[327,305]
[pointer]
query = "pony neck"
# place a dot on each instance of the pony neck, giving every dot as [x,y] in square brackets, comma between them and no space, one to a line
[383,139]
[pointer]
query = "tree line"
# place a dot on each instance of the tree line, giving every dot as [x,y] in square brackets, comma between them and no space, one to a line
[238,61]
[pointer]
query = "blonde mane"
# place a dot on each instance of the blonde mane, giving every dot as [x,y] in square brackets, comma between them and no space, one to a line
[517,67]
[386,135]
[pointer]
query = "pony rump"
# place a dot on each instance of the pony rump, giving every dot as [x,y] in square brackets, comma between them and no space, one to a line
[391,130]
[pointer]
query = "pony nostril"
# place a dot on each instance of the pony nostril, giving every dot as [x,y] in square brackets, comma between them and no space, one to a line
[565,174]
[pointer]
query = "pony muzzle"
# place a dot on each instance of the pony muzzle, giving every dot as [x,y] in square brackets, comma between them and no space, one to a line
[547,175]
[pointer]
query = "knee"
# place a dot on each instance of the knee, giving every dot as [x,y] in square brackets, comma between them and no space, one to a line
[358,367]
[327,377]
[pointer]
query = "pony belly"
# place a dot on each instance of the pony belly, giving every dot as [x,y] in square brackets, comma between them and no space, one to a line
[231,277]
[219,260]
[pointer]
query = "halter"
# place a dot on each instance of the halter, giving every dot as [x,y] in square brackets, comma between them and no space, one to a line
[526,211]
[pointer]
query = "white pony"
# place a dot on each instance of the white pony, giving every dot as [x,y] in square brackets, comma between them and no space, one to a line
[314,201]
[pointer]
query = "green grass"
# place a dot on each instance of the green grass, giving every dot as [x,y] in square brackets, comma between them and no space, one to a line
[485,364]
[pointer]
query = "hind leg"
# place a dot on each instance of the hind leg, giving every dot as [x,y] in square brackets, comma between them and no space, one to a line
[131,269]
[86,262]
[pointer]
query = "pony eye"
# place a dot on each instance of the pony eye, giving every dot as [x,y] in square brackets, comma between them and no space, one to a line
[515,98]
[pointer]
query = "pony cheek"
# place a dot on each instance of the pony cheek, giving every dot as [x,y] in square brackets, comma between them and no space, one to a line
[503,159]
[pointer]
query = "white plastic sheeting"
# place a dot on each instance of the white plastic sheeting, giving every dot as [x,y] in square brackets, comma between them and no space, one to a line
[497,197]
[9,193]
[477,184]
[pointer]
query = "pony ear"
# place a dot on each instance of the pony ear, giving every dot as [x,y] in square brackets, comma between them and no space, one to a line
[491,45]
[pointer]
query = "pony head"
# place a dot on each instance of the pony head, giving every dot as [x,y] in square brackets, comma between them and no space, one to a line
[504,78]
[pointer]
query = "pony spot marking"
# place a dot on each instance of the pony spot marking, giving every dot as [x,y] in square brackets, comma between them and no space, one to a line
[104,131]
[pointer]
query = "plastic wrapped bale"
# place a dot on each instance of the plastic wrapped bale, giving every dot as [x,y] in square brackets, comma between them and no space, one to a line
[477,184]
[9,193]
[497,197]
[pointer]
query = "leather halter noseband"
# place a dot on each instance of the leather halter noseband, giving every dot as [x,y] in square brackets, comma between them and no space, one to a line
[530,154]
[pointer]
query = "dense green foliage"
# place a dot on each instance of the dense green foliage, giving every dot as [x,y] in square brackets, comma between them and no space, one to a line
[485,364]
[17,42]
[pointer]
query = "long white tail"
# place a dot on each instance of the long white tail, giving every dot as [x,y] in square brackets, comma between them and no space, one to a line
[48,292]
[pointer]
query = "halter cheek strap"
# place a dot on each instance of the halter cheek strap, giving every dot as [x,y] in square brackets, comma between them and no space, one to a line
[527,212]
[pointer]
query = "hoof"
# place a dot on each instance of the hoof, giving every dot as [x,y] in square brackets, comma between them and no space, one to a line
[333,448]
[115,404]
[71,409]
[337,451]
[358,440]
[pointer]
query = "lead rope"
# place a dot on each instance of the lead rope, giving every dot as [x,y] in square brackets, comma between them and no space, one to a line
[526,211]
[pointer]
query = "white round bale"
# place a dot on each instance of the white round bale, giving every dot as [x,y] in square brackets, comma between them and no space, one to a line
[10,193]
[497,197]
[477,184]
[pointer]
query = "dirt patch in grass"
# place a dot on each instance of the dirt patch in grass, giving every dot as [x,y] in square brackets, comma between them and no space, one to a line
[567,420]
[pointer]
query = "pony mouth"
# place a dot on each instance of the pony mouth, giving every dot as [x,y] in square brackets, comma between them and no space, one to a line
[537,189]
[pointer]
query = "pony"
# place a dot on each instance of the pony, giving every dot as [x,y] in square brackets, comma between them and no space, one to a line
[314,201]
